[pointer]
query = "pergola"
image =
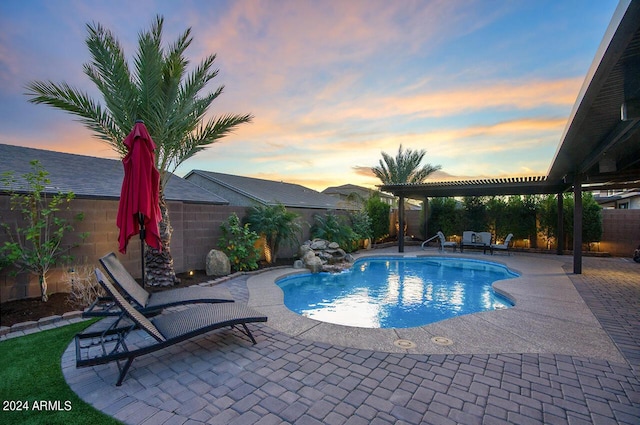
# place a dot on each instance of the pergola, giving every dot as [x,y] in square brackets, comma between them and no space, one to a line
[600,146]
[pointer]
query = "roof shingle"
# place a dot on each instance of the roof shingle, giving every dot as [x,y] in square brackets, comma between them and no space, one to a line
[88,176]
[269,192]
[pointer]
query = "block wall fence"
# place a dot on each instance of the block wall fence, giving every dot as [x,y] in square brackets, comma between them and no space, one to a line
[196,229]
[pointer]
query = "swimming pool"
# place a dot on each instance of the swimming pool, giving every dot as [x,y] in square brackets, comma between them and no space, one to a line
[397,292]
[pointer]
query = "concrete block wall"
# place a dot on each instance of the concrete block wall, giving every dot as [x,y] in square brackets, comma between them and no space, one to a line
[196,229]
[620,232]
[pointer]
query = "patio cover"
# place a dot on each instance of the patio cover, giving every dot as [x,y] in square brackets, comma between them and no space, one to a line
[600,146]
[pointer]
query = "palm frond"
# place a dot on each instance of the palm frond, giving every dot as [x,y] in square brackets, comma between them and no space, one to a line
[404,168]
[110,73]
[78,103]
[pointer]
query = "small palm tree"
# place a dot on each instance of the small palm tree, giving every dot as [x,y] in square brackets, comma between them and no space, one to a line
[276,224]
[404,168]
[162,94]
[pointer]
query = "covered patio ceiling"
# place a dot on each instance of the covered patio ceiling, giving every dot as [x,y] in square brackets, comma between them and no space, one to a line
[600,146]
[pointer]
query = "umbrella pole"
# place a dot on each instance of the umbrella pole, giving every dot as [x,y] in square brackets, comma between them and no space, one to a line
[142,237]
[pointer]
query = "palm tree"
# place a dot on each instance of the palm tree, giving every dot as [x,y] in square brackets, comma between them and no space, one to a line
[276,224]
[162,94]
[404,168]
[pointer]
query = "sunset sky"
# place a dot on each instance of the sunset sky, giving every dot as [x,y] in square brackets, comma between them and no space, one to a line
[485,87]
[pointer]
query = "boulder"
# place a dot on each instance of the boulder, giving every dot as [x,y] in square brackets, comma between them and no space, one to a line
[298,264]
[304,248]
[308,256]
[318,244]
[218,263]
[314,264]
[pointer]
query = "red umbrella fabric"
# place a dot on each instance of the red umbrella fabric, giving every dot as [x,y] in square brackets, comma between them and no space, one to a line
[140,190]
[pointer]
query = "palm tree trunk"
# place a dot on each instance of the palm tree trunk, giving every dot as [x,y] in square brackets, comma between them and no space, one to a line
[159,270]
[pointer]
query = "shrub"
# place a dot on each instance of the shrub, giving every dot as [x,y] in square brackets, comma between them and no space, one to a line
[334,229]
[238,242]
[83,286]
[378,213]
[276,224]
[361,224]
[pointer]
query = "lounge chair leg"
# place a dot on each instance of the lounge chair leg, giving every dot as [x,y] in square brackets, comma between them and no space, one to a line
[248,333]
[124,371]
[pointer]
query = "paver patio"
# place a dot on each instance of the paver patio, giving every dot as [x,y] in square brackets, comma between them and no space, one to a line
[578,364]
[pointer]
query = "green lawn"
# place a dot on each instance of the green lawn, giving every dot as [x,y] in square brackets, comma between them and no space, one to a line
[31,376]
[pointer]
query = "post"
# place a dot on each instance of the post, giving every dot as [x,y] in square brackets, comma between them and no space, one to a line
[425,210]
[577,225]
[401,224]
[142,237]
[560,227]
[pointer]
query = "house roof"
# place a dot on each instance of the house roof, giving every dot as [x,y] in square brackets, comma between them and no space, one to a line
[88,176]
[347,189]
[600,145]
[269,192]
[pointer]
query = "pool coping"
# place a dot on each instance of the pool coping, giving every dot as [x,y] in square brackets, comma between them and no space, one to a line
[549,316]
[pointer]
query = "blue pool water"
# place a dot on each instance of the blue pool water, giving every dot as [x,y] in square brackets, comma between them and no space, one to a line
[397,292]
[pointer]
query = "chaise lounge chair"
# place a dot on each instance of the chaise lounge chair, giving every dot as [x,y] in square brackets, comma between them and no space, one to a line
[147,302]
[100,347]
[502,246]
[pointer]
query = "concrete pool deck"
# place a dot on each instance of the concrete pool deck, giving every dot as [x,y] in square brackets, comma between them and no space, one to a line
[549,316]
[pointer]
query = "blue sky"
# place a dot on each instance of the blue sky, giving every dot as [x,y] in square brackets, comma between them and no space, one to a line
[485,87]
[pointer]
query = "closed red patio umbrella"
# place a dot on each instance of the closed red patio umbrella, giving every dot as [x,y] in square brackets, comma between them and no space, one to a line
[139,207]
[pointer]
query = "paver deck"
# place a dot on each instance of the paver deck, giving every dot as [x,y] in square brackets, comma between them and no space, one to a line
[567,353]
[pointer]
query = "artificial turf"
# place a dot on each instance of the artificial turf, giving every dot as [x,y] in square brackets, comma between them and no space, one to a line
[31,379]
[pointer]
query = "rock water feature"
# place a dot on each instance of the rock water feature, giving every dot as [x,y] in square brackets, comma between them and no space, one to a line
[320,255]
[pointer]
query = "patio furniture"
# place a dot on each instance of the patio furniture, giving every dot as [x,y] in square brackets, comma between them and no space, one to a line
[478,240]
[100,347]
[443,242]
[145,301]
[504,246]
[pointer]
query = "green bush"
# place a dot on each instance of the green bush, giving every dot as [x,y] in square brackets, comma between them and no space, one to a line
[239,243]
[361,224]
[277,225]
[333,228]
[378,213]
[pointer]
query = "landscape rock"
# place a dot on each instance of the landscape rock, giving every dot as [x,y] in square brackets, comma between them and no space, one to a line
[321,255]
[218,263]
[314,264]
[318,244]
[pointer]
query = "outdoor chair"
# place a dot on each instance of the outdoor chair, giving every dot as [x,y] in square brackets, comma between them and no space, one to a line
[443,242]
[503,246]
[480,240]
[145,301]
[100,347]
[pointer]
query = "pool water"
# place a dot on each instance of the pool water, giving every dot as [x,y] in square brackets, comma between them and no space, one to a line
[397,292]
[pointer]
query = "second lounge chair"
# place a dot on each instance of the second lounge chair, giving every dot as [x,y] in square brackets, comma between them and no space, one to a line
[108,345]
[147,302]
